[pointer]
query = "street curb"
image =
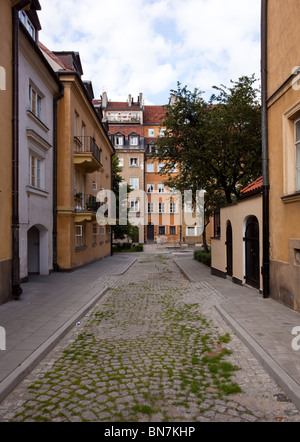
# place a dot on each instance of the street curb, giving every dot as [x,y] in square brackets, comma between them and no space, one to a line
[17,376]
[189,277]
[126,268]
[286,382]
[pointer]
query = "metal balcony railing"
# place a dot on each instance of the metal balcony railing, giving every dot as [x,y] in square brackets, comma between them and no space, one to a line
[87,145]
[85,203]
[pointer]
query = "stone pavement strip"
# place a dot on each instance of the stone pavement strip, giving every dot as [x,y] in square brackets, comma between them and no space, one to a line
[152,349]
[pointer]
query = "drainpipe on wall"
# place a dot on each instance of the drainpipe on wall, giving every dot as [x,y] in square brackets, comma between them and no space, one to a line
[54,243]
[265,156]
[16,287]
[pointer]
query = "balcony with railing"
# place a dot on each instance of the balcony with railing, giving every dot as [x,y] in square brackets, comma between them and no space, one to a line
[86,207]
[87,154]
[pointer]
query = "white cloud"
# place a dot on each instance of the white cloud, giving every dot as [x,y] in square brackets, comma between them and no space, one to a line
[148,45]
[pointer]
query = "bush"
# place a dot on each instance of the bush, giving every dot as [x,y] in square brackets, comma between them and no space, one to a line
[203,257]
[139,248]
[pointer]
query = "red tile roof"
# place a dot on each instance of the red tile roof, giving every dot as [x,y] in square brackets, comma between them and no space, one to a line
[253,188]
[154,114]
[114,105]
[126,129]
[55,58]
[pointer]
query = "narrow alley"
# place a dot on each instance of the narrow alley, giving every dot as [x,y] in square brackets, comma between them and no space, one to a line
[153,349]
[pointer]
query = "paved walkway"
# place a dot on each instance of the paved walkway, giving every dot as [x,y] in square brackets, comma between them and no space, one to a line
[153,349]
[49,307]
[264,325]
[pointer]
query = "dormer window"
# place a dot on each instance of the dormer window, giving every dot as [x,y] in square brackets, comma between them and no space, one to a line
[119,140]
[27,23]
[134,139]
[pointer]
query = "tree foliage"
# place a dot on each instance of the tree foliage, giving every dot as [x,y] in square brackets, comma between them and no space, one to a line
[216,145]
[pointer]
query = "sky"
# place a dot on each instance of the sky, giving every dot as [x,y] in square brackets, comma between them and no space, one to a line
[148,46]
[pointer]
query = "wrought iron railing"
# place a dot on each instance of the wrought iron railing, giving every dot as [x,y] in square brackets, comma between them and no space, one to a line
[86,203]
[88,145]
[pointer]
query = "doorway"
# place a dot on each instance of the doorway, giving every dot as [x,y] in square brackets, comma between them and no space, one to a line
[229,249]
[150,232]
[33,256]
[38,250]
[252,252]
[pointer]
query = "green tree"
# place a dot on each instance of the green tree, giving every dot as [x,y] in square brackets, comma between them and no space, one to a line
[216,146]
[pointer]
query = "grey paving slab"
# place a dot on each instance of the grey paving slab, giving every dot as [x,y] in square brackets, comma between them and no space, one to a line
[264,325]
[48,308]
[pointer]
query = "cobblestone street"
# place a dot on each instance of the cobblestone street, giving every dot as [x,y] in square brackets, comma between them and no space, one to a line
[153,349]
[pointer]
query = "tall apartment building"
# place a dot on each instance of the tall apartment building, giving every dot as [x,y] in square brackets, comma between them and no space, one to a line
[281,154]
[84,167]
[38,89]
[134,129]
[163,219]
[125,122]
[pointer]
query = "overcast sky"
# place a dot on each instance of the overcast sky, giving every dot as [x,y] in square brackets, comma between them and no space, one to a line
[133,46]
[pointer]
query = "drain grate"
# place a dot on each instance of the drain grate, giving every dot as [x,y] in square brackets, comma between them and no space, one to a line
[281,398]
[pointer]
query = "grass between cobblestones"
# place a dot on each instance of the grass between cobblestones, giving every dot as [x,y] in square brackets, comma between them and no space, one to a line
[143,354]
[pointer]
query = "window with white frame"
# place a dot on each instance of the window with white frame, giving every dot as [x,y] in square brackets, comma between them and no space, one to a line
[79,236]
[150,132]
[133,140]
[160,167]
[119,140]
[150,188]
[172,207]
[297,155]
[35,102]
[150,208]
[161,207]
[134,206]
[150,167]
[35,171]
[76,119]
[121,162]
[193,231]
[161,188]
[134,162]
[134,183]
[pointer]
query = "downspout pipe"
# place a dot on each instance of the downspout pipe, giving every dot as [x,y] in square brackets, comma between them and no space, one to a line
[265,153]
[54,234]
[16,286]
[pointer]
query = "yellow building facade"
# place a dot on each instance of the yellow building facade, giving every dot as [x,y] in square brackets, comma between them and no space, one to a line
[281,55]
[6,148]
[84,169]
